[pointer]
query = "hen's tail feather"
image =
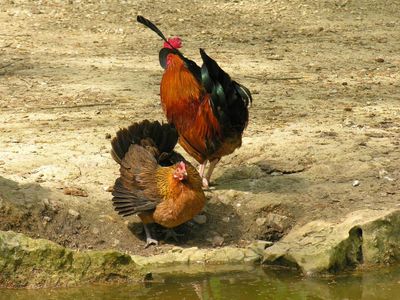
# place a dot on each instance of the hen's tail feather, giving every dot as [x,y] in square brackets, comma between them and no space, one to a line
[163,136]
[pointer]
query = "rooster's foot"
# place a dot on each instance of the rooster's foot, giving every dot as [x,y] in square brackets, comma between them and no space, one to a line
[150,241]
[171,234]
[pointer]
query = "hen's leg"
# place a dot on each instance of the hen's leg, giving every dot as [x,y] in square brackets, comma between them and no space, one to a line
[149,239]
[213,163]
[171,234]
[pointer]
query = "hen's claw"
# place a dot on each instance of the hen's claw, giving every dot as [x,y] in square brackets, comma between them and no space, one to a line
[150,241]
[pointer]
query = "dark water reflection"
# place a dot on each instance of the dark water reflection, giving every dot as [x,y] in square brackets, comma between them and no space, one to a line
[255,284]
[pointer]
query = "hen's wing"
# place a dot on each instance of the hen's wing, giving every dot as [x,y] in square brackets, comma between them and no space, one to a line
[136,189]
[141,149]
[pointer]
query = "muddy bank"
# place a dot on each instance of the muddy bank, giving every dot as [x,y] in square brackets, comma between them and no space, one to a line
[363,239]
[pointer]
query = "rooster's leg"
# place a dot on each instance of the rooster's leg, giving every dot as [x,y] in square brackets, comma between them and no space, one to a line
[201,172]
[202,168]
[149,239]
[213,163]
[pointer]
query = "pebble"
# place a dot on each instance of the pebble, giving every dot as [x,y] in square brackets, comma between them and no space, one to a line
[356,183]
[261,221]
[200,219]
[47,218]
[108,136]
[217,241]
[74,213]
[226,219]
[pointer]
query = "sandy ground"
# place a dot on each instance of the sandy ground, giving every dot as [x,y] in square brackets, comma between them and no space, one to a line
[326,113]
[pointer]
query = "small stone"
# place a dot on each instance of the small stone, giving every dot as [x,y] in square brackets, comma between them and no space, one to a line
[108,188]
[200,219]
[95,231]
[108,136]
[356,183]
[382,173]
[74,213]
[46,218]
[75,191]
[379,59]
[226,219]
[261,221]
[176,249]
[217,241]
[46,202]
[388,178]
[275,173]
[279,222]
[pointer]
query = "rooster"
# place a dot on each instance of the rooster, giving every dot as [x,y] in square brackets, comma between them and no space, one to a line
[207,107]
[155,182]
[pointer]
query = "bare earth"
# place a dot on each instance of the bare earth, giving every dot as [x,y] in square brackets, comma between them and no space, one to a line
[323,139]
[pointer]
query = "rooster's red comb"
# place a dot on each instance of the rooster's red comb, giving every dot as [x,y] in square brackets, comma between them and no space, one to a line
[176,43]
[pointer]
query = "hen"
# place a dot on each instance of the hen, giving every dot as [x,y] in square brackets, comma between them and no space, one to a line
[207,107]
[155,182]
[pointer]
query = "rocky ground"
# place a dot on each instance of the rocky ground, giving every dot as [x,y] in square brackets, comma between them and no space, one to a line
[323,136]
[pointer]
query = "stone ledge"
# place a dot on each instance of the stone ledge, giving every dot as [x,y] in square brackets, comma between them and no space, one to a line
[362,237]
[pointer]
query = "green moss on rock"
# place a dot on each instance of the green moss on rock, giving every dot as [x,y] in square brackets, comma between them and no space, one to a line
[26,262]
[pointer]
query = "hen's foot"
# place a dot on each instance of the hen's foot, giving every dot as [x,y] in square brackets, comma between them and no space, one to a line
[150,241]
[171,234]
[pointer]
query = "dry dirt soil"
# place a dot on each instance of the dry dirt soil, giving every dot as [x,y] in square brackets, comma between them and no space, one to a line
[322,141]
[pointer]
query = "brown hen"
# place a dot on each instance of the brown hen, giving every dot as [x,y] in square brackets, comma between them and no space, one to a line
[155,182]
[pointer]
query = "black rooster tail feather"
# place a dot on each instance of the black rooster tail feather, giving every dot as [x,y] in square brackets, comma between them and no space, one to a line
[229,99]
[244,93]
[152,26]
[162,136]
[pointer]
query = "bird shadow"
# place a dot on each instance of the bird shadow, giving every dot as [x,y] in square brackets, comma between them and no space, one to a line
[262,177]
[221,226]
[18,202]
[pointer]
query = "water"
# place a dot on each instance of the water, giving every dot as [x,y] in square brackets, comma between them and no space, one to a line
[254,284]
